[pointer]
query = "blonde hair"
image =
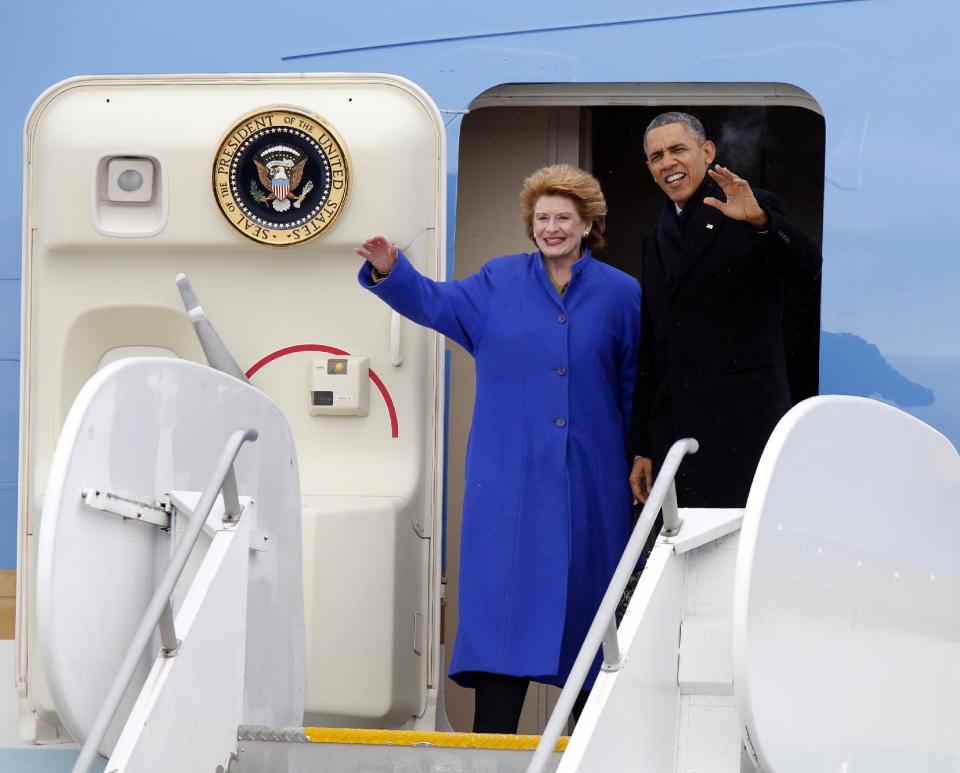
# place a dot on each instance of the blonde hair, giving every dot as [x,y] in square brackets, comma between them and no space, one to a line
[570,182]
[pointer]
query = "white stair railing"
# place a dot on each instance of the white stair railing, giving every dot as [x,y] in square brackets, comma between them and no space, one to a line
[603,630]
[159,611]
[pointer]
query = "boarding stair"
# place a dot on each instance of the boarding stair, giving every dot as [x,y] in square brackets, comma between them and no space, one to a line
[707,737]
[759,639]
[802,633]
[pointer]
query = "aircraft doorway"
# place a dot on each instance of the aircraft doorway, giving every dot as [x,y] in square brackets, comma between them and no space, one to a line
[771,134]
[780,149]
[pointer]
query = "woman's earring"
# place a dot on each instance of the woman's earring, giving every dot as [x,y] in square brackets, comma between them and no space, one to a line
[586,234]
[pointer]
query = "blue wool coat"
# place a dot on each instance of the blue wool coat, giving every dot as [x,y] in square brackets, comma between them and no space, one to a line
[547,504]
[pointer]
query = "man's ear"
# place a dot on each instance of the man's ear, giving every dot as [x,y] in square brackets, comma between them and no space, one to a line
[710,150]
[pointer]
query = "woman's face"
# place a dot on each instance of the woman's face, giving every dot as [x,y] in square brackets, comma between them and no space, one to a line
[558,227]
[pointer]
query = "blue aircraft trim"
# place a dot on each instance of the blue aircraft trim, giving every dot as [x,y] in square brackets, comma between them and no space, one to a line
[43,761]
[564,28]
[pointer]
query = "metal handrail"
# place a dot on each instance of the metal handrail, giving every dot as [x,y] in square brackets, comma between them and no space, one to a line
[161,596]
[603,629]
[214,349]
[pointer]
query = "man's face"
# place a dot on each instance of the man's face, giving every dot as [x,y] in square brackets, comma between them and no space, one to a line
[677,161]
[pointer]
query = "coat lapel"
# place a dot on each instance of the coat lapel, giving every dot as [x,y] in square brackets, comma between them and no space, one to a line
[702,228]
[667,224]
[543,278]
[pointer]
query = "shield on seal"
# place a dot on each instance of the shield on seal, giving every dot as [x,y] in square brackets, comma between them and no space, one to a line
[280,188]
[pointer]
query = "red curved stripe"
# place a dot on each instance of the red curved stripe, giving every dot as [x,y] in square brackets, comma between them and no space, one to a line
[391,409]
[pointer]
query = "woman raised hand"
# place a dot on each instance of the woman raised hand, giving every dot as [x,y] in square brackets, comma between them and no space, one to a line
[381,253]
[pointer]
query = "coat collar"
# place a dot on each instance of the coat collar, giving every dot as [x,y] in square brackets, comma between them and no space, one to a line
[582,265]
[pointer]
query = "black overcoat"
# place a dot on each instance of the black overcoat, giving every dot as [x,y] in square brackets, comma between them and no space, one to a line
[713,361]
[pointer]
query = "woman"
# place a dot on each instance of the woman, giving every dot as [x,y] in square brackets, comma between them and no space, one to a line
[546,509]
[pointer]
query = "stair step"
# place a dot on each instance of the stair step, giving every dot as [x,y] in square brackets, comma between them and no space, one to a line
[350,750]
[706,660]
[709,735]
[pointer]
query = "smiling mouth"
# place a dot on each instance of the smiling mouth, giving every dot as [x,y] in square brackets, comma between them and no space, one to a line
[675,177]
[554,240]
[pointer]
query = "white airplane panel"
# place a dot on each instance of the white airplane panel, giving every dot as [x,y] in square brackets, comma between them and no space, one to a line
[123,193]
[846,593]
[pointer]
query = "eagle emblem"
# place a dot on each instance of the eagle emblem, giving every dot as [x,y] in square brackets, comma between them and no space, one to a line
[280,169]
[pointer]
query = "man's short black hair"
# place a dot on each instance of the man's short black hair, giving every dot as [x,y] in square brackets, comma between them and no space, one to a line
[690,123]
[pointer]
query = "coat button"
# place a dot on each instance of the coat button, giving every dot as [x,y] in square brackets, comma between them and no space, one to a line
[561,422]
[561,371]
[561,318]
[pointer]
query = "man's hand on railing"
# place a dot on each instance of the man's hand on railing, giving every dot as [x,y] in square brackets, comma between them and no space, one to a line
[641,478]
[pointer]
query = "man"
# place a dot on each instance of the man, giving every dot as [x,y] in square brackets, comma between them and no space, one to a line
[714,363]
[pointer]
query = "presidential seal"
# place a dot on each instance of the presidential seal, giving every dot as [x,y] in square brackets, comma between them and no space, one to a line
[281,176]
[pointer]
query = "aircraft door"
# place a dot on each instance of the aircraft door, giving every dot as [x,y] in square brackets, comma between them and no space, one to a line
[258,187]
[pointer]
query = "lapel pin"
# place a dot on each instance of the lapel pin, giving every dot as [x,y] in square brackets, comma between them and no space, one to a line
[710,226]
